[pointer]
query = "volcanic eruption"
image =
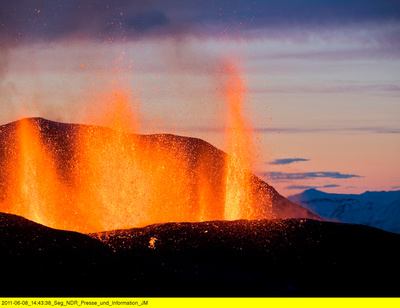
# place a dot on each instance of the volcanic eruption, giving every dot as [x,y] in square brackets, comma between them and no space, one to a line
[176,215]
[91,178]
[99,207]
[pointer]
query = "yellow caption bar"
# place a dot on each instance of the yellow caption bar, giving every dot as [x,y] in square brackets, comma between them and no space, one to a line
[152,302]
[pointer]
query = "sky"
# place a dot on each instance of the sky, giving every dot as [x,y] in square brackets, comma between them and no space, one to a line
[323,77]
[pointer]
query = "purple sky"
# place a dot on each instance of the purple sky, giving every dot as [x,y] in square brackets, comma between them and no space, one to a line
[323,76]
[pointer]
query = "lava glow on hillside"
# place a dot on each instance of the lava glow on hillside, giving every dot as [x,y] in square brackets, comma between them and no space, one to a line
[114,182]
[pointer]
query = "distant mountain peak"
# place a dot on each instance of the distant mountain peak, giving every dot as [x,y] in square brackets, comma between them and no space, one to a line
[380,209]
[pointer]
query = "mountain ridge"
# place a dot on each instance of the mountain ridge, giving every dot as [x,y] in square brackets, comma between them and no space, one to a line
[380,209]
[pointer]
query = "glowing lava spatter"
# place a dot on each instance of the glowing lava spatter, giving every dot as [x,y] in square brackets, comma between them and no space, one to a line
[36,190]
[129,184]
[238,202]
[35,175]
[109,171]
[112,179]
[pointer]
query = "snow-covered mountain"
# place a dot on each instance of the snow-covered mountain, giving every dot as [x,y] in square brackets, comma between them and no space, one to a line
[376,209]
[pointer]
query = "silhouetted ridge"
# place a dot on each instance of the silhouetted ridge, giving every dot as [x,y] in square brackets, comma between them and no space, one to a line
[281,257]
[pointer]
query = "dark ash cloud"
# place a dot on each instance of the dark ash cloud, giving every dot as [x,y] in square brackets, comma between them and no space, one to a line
[307,175]
[45,20]
[286,161]
[147,20]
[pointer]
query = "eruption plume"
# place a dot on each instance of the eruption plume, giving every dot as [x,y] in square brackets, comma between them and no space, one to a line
[238,138]
[97,178]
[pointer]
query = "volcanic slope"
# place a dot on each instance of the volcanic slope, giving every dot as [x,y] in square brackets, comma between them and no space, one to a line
[194,165]
[281,257]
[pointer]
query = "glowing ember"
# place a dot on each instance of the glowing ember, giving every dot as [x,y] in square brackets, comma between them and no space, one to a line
[152,243]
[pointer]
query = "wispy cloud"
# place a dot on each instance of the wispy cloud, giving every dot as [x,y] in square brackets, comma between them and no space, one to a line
[303,187]
[392,89]
[293,130]
[307,175]
[286,161]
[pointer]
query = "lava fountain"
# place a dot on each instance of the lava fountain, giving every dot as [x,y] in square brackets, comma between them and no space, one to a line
[238,202]
[98,178]
[35,189]
[125,182]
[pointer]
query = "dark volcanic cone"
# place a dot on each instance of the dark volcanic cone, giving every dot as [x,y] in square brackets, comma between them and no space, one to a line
[161,156]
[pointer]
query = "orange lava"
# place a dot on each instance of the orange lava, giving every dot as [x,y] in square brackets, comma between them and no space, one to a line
[238,201]
[125,184]
[118,180]
[36,191]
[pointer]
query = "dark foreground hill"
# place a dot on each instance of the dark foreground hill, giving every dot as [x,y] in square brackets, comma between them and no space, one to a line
[37,260]
[282,257]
